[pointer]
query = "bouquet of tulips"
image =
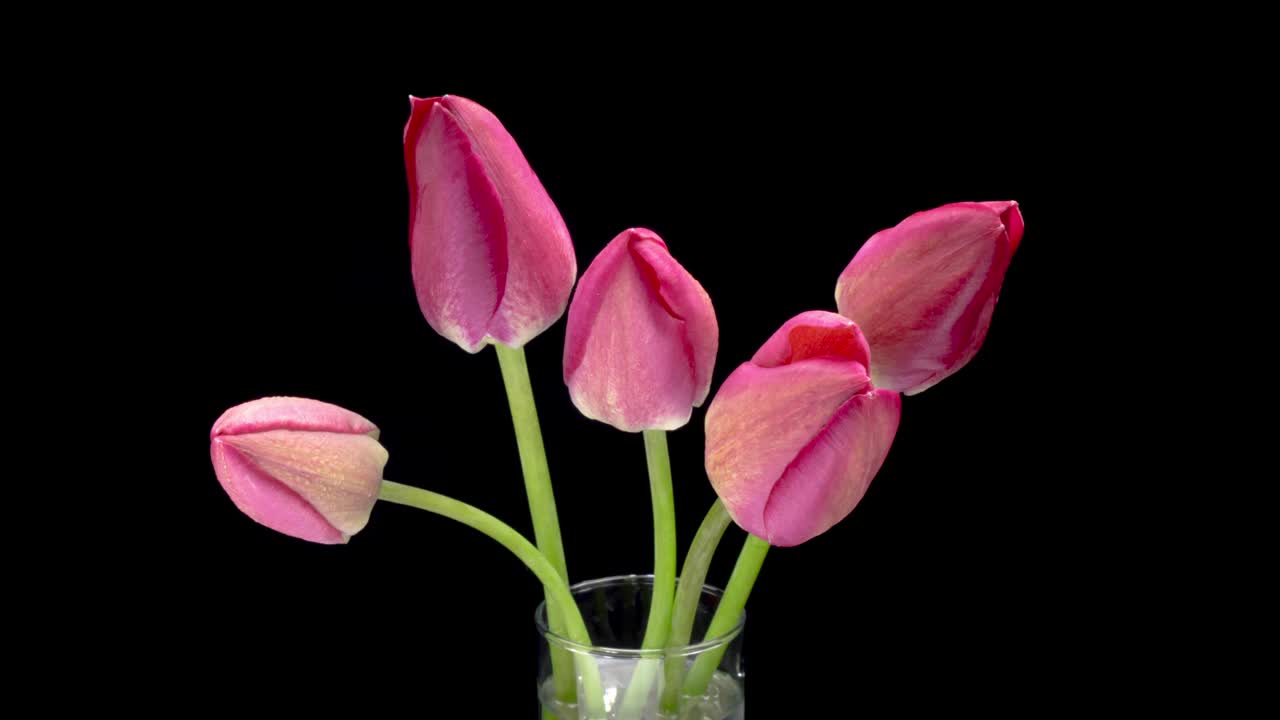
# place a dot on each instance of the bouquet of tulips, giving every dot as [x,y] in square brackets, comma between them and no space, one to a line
[794,435]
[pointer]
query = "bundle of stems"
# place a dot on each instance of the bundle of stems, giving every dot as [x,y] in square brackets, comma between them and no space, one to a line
[673,607]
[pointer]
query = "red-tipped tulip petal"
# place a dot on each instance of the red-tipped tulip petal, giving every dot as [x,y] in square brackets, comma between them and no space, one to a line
[491,256]
[1011,216]
[814,334]
[301,467]
[795,436]
[923,291]
[642,336]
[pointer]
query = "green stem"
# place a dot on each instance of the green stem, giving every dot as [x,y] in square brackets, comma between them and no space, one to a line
[728,613]
[693,574]
[542,501]
[552,582]
[658,626]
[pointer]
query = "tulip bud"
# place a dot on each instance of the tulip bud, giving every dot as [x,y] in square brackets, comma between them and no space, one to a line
[795,436]
[642,337]
[491,256]
[923,291]
[301,467]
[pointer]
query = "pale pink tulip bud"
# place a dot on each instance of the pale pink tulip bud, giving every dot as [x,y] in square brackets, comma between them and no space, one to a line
[924,290]
[491,256]
[795,436]
[301,467]
[642,337]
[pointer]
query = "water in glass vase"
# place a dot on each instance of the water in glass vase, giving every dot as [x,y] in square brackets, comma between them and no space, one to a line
[723,700]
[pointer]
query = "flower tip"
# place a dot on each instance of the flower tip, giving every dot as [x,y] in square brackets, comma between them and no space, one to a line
[1012,220]
[415,102]
[1011,217]
[640,234]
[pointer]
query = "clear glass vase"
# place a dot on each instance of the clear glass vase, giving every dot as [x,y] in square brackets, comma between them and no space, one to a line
[616,610]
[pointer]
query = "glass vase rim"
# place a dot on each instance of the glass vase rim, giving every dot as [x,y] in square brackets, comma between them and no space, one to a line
[539,620]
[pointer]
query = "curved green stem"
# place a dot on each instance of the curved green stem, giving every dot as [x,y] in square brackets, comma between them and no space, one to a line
[552,582]
[727,614]
[693,574]
[658,626]
[542,501]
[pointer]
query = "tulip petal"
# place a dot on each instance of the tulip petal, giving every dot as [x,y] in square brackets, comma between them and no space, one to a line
[760,422]
[814,334]
[1011,217]
[684,298]
[630,337]
[337,474]
[923,292]
[830,475]
[540,262]
[458,232]
[291,413]
[266,500]
[587,301]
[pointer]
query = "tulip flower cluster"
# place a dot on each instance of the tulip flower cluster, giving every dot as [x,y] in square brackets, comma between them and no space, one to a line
[793,437]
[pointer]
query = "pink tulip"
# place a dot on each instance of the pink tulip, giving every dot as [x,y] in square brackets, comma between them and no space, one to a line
[302,467]
[492,261]
[642,337]
[924,290]
[795,436]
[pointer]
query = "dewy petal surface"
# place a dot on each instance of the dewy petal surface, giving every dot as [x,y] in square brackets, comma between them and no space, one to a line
[338,474]
[266,500]
[291,413]
[302,467]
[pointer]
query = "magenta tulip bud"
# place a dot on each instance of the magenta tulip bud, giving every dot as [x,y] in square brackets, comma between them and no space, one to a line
[795,436]
[301,467]
[642,337]
[924,290]
[491,257]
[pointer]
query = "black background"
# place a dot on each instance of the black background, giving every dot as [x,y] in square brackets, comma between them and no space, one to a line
[288,275]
